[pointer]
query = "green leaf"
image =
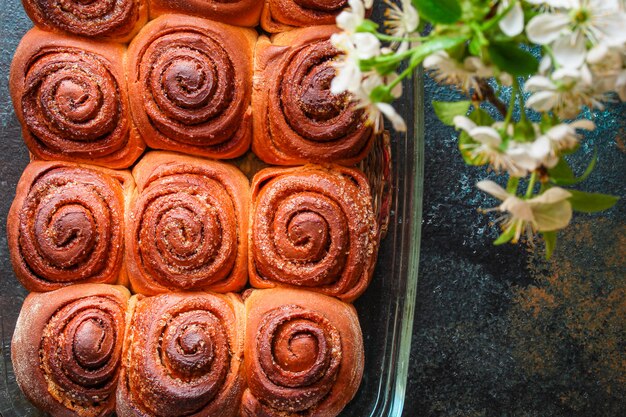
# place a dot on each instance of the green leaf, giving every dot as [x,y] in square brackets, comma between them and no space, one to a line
[367,26]
[481,117]
[381,94]
[466,145]
[438,44]
[439,11]
[561,176]
[510,58]
[561,172]
[505,237]
[591,202]
[550,240]
[447,111]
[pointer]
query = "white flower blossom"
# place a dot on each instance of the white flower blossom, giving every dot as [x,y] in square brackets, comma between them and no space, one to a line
[547,212]
[355,48]
[376,110]
[464,75]
[402,21]
[565,92]
[351,18]
[568,29]
[608,66]
[487,148]
[513,23]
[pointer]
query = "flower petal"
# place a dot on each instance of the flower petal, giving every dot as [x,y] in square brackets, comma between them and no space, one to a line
[494,189]
[551,196]
[553,216]
[464,123]
[542,101]
[583,124]
[396,120]
[513,23]
[486,135]
[539,83]
[546,28]
[570,51]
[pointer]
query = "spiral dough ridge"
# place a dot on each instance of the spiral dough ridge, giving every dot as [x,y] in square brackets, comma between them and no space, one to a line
[107,19]
[66,226]
[187,226]
[184,355]
[313,228]
[81,350]
[190,90]
[297,118]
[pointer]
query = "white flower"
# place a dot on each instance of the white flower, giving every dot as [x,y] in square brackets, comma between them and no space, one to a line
[545,213]
[569,30]
[402,21]
[351,18]
[608,68]
[375,110]
[355,48]
[565,92]
[487,148]
[513,23]
[450,71]
[564,136]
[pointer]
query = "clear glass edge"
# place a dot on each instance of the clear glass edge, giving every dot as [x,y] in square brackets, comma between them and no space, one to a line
[394,392]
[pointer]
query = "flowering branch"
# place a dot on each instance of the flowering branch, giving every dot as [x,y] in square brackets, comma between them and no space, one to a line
[481,47]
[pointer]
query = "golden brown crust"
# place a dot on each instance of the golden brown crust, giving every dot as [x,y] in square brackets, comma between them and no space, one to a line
[304,354]
[312,227]
[70,96]
[283,15]
[190,83]
[187,226]
[296,117]
[67,348]
[233,12]
[183,356]
[110,20]
[66,225]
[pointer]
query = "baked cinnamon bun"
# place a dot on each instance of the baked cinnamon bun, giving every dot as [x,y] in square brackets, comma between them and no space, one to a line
[312,227]
[296,117]
[183,356]
[234,12]
[114,20]
[70,97]
[304,354]
[66,225]
[186,229]
[190,86]
[67,349]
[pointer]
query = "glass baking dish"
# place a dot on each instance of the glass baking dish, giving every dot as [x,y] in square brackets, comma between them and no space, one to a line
[385,310]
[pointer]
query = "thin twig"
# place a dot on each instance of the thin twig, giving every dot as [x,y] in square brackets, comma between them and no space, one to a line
[485,92]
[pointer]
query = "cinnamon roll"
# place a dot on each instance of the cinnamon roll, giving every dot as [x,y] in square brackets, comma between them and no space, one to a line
[187,226]
[283,15]
[114,20]
[183,356]
[314,228]
[234,12]
[67,349]
[190,83]
[70,97]
[304,354]
[66,225]
[296,117]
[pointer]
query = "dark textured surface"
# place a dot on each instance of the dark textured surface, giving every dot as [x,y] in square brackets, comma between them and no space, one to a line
[498,331]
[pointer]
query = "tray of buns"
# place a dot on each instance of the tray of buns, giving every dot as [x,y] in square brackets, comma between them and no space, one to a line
[195,225]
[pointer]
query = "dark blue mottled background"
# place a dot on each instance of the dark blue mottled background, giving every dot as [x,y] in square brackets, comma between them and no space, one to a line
[498,331]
